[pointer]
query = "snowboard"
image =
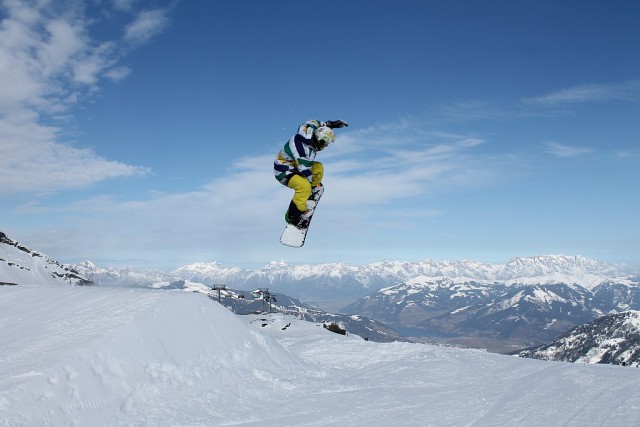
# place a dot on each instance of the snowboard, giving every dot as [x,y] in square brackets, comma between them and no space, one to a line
[295,236]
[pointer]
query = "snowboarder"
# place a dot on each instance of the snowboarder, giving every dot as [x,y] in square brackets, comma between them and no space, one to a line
[296,168]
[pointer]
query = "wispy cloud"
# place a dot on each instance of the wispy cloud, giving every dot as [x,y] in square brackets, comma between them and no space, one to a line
[386,176]
[124,5]
[470,110]
[406,159]
[31,161]
[625,154]
[49,62]
[563,150]
[147,25]
[238,212]
[626,91]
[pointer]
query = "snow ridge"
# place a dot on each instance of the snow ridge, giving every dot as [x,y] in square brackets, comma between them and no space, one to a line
[613,339]
[21,265]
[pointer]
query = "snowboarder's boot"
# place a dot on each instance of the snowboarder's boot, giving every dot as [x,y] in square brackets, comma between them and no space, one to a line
[293,215]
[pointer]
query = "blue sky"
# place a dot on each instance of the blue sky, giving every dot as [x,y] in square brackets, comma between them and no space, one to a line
[143,133]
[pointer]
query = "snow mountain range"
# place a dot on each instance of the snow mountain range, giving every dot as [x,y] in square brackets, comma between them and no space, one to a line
[612,339]
[334,285]
[494,315]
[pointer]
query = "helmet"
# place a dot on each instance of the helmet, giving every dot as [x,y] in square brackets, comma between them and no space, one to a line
[324,136]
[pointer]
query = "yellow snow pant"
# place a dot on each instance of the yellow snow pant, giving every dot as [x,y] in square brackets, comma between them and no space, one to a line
[302,187]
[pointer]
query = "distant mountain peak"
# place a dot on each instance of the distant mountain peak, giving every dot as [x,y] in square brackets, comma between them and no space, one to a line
[274,265]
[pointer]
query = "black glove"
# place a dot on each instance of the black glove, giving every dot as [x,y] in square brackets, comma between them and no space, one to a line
[333,124]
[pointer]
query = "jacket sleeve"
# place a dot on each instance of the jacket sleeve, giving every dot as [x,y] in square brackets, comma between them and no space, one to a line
[302,155]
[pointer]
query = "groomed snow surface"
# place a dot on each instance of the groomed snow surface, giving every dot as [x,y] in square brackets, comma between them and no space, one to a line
[91,356]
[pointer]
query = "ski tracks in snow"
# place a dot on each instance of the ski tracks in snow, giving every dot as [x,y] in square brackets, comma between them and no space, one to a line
[366,383]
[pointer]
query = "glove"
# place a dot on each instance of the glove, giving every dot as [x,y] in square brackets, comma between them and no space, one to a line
[333,124]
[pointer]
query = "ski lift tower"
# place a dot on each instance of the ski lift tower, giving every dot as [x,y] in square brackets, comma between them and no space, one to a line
[266,296]
[219,288]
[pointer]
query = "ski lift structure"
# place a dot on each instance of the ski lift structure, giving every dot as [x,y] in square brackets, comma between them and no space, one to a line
[219,288]
[267,297]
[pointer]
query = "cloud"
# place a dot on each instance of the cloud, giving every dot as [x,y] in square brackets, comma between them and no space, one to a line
[470,110]
[148,24]
[49,62]
[387,176]
[405,160]
[124,5]
[237,213]
[31,161]
[626,91]
[118,73]
[625,154]
[563,150]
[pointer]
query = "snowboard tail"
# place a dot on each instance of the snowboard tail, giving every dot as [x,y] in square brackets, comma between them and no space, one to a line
[293,236]
[295,232]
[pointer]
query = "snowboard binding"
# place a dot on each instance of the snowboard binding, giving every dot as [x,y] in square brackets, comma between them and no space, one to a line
[299,219]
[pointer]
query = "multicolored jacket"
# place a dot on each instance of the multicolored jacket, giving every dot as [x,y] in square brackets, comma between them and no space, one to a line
[297,156]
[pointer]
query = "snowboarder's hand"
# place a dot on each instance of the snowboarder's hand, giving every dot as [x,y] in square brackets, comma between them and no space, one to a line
[333,124]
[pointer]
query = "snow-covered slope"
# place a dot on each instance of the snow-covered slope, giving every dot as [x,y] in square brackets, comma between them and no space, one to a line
[110,356]
[610,339]
[107,356]
[263,301]
[21,265]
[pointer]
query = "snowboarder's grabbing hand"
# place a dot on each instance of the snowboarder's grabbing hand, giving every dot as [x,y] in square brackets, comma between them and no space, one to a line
[296,167]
